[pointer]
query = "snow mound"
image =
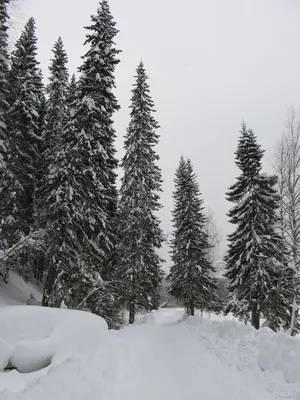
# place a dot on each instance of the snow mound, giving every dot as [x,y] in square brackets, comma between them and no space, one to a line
[280,352]
[232,342]
[87,377]
[33,338]
[274,358]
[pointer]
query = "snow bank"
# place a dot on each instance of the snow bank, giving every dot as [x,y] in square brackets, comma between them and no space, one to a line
[274,358]
[33,338]
[280,352]
[234,343]
[87,377]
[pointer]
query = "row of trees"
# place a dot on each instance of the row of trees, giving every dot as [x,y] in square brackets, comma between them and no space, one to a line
[62,218]
[262,261]
[261,264]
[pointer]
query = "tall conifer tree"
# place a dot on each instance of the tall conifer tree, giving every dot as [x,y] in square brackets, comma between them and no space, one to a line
[24,124]
[56,118]
[256,255]
[4,68]
[23,162]
[192,274]
[4,137]
[140,236]
[82,192]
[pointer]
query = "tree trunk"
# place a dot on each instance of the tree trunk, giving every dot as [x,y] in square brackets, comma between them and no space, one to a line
[131,312]
[39,265]
[192,307]
[132,301]
[293,330]
[255,317]
[49,285]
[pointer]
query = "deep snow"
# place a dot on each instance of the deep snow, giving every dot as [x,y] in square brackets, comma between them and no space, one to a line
[36,339]
[164,356]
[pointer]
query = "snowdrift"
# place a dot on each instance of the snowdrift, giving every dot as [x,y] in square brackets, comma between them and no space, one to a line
[72,355]
[279,352]
[33,339]
[272,357]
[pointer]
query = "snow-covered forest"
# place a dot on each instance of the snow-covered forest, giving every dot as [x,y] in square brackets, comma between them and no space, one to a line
[81,238]
[92,245]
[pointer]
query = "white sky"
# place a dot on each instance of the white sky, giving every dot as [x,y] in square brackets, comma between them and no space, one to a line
[211,63]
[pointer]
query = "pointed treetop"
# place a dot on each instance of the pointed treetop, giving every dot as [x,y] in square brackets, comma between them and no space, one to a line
[141,65]
[28,37]
[249,153]
[59,41]
[73,80]
[58,49]
[59,61]
[141,73]
[30,25]
[97,78]
[103,5]
[102,22]
[182,160]
[71,97]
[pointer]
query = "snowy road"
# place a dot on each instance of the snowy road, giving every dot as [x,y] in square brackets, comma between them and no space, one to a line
[165,361]
[161,358]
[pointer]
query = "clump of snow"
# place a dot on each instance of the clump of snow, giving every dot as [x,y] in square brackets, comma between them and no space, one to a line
[34,338]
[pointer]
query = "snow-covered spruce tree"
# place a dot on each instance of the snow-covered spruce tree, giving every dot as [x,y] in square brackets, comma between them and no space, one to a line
[71,93]
[81,181]
[97,83]
[192,273]
[57,91]
[4,68]
[55,119]
[254,262]
[23,163]
[4,133]
[36,262]
[140,236]
[96,86]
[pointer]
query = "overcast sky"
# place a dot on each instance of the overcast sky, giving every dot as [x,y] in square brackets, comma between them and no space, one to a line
[211,63]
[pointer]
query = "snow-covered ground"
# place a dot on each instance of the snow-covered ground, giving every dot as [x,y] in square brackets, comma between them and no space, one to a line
[17,291]
[164,356]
